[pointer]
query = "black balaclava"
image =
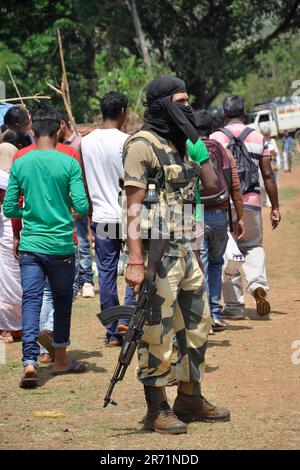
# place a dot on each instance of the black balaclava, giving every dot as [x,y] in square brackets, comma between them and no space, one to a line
[169,119]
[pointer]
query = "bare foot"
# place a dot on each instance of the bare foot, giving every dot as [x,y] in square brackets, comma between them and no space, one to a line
[60,366]
[45,358]
[6,337]
[29,371]
[29,379]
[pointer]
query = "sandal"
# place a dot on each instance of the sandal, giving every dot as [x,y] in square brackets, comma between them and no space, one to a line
[29,381]
[76,367]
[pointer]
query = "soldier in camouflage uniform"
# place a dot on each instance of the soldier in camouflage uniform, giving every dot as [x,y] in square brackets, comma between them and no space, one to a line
[180,304]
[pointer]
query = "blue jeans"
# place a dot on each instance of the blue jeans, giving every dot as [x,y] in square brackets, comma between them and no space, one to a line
[76,284]
[107,251]
[212,253]
[84,251]
[59,269]
[47,311]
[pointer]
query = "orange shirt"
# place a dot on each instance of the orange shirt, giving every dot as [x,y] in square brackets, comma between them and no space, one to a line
[59,147]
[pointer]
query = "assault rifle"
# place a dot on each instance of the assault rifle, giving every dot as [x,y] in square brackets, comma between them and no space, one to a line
[137,313]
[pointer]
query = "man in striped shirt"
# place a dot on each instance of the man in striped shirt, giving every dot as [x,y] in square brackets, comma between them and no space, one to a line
[251,243]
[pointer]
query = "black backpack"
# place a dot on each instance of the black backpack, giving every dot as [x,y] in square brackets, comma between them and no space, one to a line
[247,169]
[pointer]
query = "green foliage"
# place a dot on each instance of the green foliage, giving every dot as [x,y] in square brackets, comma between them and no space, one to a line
[272,75]
[10,58]
[30,32]
[15,63]
[128,76]
[209,44]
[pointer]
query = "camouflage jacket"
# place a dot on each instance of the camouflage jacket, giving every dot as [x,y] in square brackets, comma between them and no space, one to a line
[150,157]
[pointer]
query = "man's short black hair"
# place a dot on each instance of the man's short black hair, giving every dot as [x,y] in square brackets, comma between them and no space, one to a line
[16,115]
[112,104]
[45,120]
[64,117]
[16,138]
[203,122]
[233,106]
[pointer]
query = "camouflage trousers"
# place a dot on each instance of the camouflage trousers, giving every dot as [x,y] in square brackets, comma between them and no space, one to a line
[180,306]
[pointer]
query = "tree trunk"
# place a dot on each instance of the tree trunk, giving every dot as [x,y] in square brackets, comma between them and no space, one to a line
[140,34]
[203,99]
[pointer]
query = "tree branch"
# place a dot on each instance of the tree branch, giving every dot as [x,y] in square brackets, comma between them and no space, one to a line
[171,12]
[253,49]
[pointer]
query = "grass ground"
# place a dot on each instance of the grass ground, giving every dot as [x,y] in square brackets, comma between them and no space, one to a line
[249,369]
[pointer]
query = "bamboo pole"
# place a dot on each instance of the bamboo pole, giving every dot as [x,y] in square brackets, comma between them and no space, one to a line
[65,89]
[54,88]
[35,97]
[66,104]
[15,85]
[63,66]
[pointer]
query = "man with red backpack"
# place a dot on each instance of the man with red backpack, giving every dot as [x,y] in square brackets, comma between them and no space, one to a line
[217,214]
[251,153]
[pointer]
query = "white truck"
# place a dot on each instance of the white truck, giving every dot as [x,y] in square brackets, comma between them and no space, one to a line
[280,114]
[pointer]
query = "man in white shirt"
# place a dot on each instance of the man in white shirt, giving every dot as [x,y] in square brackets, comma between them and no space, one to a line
[84,270]
[102,151]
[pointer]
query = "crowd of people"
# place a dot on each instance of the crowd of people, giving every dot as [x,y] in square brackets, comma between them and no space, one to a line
[57,190]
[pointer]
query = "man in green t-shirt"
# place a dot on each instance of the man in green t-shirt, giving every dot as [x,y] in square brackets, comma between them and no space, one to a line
[198,152]
[51,182]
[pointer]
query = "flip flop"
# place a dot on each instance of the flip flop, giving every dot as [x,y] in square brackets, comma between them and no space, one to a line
[28,382]
[76,367]
[262,305]
[44,341]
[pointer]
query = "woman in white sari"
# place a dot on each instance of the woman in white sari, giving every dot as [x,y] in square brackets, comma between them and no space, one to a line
[10,284]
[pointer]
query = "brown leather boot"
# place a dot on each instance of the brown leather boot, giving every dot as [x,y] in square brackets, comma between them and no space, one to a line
[160,417]
[190,405]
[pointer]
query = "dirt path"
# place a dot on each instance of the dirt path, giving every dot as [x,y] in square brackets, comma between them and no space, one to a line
[250,370]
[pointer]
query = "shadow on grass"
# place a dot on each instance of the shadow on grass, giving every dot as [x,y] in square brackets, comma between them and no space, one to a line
[81,355]
[45,373]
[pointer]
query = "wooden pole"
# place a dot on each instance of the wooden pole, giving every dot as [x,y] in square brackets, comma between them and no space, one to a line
[35,97]
[63,66]
[65,89]
[54,88]
[15,86]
